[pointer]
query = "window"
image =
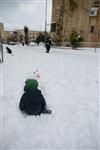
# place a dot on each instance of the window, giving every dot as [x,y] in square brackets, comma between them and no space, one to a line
[92,29]
[53,27]
[96,4]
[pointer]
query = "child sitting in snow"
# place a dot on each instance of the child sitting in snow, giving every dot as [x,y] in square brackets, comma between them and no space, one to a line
[32,101]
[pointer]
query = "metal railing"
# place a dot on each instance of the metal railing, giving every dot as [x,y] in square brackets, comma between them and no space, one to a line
[1,53]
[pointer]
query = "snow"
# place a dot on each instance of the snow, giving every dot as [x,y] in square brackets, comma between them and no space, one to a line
[32,44]
[70,84]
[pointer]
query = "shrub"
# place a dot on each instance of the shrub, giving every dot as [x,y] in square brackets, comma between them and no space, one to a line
[75,39]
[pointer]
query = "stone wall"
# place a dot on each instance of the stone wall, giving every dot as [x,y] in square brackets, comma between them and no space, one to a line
[79,19]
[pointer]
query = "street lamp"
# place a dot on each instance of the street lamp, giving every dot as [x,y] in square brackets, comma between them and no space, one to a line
[45,20]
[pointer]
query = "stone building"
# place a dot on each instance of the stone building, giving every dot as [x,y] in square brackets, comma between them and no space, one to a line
[19,33]
[5,35]
[32,34]
[80,15]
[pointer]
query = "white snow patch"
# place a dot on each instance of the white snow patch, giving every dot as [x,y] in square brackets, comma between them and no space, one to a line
[69,80]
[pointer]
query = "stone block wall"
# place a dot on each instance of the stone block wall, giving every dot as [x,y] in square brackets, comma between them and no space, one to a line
[79,19]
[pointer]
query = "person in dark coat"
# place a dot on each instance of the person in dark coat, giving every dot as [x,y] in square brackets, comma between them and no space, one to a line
[32,101]
[48,44]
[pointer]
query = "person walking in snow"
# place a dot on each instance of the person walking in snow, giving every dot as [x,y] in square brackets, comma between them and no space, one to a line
[32,101]
[48,44]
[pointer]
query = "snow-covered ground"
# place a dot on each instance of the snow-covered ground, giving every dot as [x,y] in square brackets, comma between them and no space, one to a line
[69,80]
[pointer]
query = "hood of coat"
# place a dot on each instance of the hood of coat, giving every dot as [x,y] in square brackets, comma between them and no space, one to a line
[31,85]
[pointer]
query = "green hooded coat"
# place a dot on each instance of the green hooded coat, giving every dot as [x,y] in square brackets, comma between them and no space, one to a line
[31,84]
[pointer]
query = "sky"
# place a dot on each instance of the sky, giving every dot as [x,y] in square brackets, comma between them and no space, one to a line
[15,14]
